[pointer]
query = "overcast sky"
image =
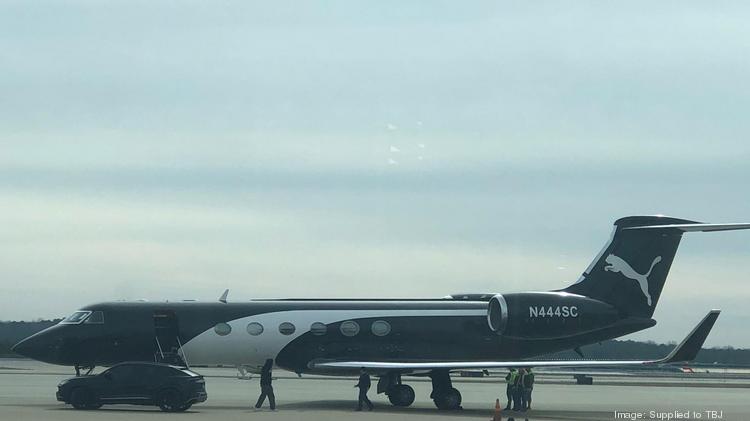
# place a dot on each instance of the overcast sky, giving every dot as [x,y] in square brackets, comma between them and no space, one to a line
[163,149]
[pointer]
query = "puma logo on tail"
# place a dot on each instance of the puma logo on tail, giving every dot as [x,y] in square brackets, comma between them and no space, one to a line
[616,264]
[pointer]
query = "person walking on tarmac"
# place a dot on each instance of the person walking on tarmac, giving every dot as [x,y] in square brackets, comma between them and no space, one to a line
[266,389]
[518,390]
[510,380]
[364,386]
[528,387]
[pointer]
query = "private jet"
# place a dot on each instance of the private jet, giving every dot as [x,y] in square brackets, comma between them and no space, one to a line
[390,338]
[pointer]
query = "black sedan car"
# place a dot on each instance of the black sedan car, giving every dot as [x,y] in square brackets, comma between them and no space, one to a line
[136,383]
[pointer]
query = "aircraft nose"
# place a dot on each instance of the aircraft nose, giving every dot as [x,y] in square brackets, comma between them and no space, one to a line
[39,347]
[23,347]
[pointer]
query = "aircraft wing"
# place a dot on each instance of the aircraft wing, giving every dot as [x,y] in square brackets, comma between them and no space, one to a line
[687,350]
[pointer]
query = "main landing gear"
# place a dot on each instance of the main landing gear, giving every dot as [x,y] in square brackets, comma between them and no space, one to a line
[401,395]
[398,394]
[443,393]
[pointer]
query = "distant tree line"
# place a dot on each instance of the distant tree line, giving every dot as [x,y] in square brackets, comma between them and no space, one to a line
[624,350]
[12,332]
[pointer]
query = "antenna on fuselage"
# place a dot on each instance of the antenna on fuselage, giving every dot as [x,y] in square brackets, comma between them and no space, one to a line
[223,298]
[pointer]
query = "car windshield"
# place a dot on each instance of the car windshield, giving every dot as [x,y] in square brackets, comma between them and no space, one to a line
[75,318]
[122,372]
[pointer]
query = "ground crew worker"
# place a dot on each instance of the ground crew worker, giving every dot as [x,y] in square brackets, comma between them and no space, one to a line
[364,386]
[518,390]
[528,387]
[266,389]
[510,380]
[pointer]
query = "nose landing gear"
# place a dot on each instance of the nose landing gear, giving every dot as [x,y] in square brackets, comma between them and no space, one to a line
[89,369]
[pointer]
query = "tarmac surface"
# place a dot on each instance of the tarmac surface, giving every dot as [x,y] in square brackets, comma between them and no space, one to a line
[27,392]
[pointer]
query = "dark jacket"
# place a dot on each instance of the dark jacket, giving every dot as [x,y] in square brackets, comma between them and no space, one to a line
[265,375]
[364,381]
[528,380]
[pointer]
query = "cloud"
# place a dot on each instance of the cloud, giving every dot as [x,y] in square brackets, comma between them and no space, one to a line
[253,145]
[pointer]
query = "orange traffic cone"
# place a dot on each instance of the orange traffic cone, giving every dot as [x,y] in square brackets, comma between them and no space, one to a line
[497,416]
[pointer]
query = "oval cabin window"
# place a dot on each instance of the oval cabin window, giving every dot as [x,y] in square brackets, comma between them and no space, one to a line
[255,328]
[286,328]
[222,329]
[381,328]
[349,328]
[318,329]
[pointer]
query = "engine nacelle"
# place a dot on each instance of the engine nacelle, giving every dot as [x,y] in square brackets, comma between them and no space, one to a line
[497,314]
[547,315]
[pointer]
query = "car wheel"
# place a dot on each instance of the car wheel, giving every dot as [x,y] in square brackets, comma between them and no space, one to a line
[169,400]
[81,398]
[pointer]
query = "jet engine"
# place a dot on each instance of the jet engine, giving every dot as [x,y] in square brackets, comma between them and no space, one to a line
[497,314]
[551,315]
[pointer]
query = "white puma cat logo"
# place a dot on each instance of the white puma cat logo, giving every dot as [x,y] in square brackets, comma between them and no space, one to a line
[616,264]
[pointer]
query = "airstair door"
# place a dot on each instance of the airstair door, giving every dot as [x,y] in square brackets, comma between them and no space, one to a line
[167,337]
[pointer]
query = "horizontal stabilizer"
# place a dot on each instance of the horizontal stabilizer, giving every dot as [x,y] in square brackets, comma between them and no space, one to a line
[695,227]
[685,351]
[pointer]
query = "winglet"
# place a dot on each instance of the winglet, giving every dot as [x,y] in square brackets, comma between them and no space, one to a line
[223,298]
[688,349]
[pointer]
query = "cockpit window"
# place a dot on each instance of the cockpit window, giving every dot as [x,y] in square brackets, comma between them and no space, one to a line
[96,318]
[75,318]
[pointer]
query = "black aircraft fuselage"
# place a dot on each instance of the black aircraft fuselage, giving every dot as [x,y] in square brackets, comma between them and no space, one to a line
[457,328]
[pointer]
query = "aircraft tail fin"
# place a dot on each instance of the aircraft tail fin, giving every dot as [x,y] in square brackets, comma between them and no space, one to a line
[631,269]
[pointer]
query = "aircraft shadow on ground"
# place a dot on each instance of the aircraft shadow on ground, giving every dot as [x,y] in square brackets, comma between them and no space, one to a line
[349,406]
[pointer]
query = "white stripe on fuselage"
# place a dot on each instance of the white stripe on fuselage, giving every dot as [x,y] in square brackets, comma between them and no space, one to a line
[242,349]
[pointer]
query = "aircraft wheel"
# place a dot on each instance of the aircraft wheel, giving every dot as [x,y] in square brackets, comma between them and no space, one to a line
[451,399]
[401,395]
[169,400]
